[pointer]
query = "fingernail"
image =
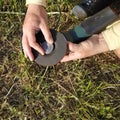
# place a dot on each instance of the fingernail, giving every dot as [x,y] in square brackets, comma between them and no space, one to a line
[50,41]
[31,59]
[25,56]
[42,53]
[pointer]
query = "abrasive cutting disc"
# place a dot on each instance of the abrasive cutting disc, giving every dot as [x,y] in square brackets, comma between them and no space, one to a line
[58,49]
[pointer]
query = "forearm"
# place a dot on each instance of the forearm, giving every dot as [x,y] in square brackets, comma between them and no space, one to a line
[112,36]
[38,2]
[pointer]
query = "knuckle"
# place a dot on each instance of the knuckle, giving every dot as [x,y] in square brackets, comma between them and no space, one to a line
[32,43]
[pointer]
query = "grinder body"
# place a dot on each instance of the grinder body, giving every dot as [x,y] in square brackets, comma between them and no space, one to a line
[92,25]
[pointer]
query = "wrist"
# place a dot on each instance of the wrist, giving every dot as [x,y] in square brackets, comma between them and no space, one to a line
[103,43]
[36,9]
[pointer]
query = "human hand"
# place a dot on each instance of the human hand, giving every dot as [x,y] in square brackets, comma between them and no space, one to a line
[35,19]
[92,46]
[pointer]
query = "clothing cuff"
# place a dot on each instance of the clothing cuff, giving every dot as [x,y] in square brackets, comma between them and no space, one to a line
[37,2]
[112,36]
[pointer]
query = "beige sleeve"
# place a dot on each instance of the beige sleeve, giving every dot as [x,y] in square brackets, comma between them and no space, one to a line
[38,2]
[112,36]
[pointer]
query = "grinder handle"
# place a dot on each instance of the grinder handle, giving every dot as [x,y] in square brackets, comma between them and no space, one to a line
[92,25]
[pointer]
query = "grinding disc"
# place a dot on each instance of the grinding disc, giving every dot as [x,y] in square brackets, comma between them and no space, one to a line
[58,48]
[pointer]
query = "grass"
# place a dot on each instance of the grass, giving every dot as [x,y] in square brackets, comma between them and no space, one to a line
[78,90]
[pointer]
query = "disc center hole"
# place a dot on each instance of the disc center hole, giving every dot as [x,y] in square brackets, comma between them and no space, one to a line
[48,48]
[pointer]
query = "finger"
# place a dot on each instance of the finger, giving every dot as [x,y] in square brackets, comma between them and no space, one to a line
[46,32]
[71,56]
[34,44]
[73,47]
[27,48]
[25,54]
[72,52]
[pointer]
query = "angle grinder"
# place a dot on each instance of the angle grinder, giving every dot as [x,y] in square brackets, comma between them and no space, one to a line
[55,52]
